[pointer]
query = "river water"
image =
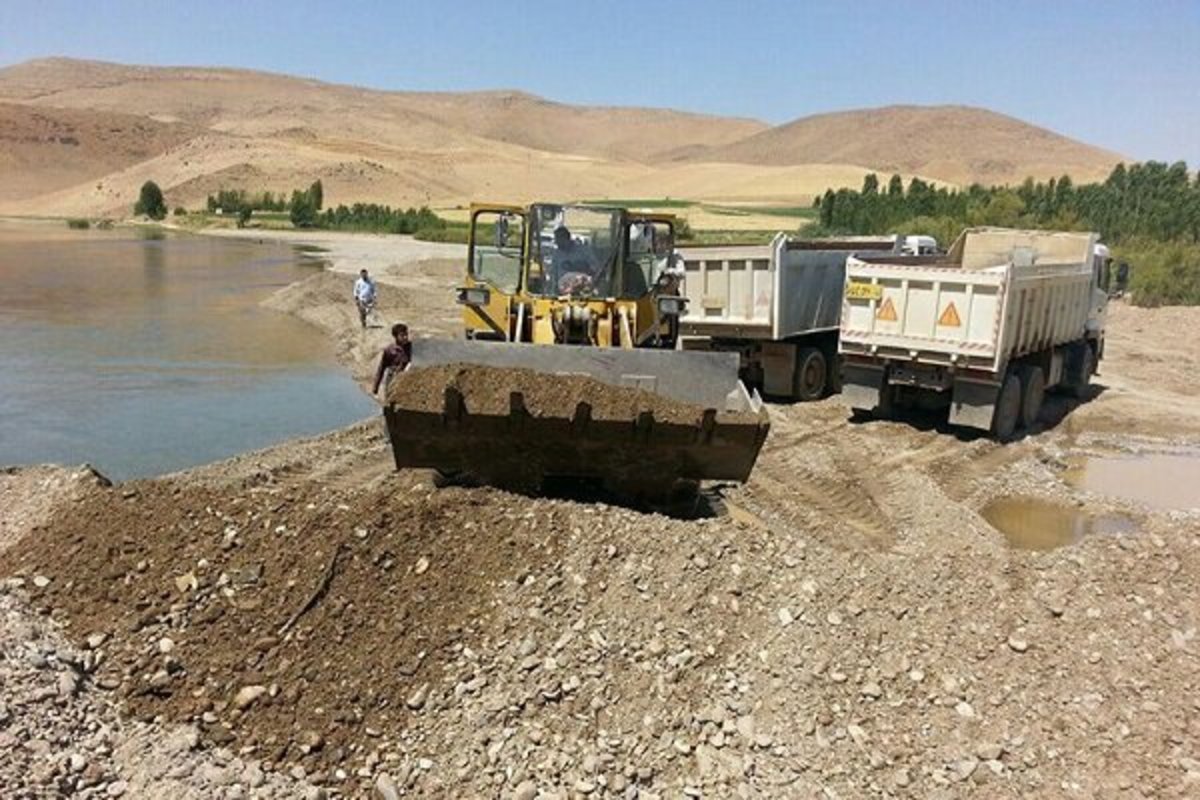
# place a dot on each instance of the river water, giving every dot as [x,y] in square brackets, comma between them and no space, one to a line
[145,355]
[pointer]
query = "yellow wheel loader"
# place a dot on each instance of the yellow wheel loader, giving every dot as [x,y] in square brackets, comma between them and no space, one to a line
[568,290]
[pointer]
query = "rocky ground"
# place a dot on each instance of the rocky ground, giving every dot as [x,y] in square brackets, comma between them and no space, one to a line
[847,624]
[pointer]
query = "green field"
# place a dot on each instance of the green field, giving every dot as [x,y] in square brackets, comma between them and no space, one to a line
[650,202]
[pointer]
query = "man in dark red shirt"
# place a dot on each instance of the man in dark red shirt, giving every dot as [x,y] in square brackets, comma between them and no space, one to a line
[395,358]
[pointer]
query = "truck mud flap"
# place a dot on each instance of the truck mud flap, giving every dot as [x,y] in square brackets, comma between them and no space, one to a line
[973,404]
[519,450]
[861,385]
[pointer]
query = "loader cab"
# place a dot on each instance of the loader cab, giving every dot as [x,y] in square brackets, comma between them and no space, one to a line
[575,251]
[571,273]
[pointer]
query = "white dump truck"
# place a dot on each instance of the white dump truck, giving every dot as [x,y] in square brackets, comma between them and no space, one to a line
[985,329]
[777,306]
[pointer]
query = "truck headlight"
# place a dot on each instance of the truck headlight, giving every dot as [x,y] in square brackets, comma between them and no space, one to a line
[672,305]
[473,296]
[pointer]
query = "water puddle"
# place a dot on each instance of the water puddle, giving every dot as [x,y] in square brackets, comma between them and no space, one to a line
[1168,480]
[1030,524]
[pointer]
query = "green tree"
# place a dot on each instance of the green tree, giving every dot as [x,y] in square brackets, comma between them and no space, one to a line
[896,186]
[316,193]
[244,214]
[150,202]
[303,212]
[870,184]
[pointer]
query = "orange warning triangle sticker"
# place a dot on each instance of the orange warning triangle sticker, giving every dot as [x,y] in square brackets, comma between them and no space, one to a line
[949,317]
[886,312]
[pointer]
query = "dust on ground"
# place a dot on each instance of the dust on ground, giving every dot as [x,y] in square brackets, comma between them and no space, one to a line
[851,626]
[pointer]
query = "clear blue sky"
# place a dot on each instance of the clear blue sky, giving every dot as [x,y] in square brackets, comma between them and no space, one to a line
[1122,75]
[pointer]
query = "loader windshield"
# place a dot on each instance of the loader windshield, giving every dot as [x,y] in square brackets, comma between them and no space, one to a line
[574,251]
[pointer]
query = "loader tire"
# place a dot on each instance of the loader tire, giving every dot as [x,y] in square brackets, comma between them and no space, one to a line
[1008,408]
[1033,392]
[812,374]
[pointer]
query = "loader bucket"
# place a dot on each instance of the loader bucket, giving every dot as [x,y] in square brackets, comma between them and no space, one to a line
[516,414]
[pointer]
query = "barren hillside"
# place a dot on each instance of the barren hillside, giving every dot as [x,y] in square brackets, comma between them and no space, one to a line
[258,103]
[193,130]
[958,144]
[44,149]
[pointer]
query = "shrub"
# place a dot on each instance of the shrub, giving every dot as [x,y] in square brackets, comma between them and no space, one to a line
[79,224]
[1161,273]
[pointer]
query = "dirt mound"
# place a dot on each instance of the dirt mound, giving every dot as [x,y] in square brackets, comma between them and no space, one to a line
[339,607]
[487,390]
[471,643]
[29,495]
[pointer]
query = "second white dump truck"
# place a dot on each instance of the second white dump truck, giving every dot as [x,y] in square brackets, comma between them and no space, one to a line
[985,329]
[777,306]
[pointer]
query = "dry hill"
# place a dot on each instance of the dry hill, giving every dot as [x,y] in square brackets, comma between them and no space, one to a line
[958,144]
[193,130]
[257,103]
[44,149]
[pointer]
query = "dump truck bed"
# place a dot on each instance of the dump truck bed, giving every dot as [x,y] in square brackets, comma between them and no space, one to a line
[788,288]
[996,296]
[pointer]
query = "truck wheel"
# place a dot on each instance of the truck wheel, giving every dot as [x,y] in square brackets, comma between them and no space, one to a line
[1008,408]
[1085,365]
[812,374]
[1033,392]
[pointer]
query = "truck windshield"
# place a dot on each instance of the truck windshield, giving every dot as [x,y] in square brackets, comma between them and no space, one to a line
[574,251]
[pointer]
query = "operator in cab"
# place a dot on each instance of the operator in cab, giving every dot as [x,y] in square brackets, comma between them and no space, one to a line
[572,262]
[395,357]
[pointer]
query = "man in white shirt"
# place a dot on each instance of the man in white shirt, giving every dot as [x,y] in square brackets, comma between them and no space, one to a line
[364,296]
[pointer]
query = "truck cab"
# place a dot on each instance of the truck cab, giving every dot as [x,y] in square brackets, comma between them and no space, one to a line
[1101,273]
[919,246]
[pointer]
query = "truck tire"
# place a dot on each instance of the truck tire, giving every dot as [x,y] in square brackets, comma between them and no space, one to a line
[812,374]
[1083,364]
[1033,392]
[1008,408]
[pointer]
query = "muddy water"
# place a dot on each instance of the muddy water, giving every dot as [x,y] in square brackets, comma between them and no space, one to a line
[1160,480]
[1031,524]
[146,355]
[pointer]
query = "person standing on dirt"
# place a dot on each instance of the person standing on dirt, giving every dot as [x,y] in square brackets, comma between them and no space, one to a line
[364,296]
[395,358]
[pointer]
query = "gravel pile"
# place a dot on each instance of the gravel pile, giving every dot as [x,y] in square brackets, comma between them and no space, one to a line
[405,641]
[487,390]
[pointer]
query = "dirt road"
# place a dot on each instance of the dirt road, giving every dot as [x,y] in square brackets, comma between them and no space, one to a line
[847,624]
